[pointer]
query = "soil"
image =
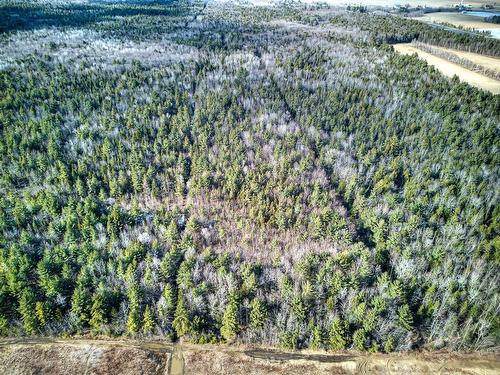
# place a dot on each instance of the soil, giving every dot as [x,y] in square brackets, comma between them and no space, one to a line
[112,357]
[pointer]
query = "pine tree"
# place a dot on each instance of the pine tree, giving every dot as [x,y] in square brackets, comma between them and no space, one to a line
[98,310]
[133,320]
[4,326]
[26,309]
[230,326]
[359,339]
[317,338]
[258,313]
[389,344]
[181,321]
[41,314]
[80,304]
[167,308]
[405,317]
[337,335]
[147,321]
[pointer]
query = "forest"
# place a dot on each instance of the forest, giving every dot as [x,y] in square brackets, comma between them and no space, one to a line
[220,173]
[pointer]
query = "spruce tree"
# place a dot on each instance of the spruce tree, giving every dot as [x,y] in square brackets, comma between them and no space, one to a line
[27,309]
[405,317]
[134,319]
[230,326]
[147,321]
[181,321]
[258,313]
[337,335]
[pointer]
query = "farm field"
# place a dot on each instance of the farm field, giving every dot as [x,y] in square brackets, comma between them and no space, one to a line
[463,20]
[436,3]
[485,61]
[450,69]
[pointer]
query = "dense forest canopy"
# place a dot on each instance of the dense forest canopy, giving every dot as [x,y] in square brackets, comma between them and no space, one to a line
[272,175]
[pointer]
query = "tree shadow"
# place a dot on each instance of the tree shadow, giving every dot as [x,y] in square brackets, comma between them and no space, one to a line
[29,16]
[274,355]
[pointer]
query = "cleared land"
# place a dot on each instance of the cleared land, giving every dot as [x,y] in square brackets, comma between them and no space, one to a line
[485,61]
[460,19]
[450,69]
[434,3]
[107,357]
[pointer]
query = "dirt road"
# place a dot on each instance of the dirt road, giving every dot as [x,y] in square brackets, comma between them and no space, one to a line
[113,357]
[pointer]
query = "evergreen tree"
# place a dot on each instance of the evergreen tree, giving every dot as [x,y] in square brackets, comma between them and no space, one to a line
[230,325]
[338,334]
[359,339]
[317,338]
[258,313]
[27,311]
[134,310]
[41,314]
[405,317]
[148,321]
[98,313]
[181,321]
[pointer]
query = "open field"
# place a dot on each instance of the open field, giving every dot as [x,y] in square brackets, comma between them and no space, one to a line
[450,69]
[435,3]
[464,20]
[485,61]
[107,357]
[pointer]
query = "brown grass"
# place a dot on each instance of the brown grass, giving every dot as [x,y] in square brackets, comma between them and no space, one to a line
[458,19]
[46,356]
[487,62]
[450,69]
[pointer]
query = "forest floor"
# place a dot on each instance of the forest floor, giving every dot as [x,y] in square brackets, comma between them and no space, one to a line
[450,69]
[106,357]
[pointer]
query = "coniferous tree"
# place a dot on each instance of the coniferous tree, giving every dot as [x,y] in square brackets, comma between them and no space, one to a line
[26,309]
[134,310]
[230,324]
[337,335]
[258,313]
[181,322]
[148,321]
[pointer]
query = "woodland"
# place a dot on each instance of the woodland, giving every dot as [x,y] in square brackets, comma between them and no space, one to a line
[214,172]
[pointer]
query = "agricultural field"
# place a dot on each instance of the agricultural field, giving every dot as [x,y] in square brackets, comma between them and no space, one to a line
[451,69]
[462,20]
[487,62]
[433,3]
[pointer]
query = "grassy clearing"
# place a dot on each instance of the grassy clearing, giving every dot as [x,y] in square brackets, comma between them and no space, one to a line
[450,69]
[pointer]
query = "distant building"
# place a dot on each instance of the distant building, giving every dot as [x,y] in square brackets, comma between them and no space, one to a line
[462,6]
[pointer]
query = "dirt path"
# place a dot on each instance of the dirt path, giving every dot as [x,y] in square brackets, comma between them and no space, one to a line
[450,69]
[176,362]
[122,357]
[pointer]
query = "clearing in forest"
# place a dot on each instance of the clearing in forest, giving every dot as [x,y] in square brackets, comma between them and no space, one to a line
[450,69]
